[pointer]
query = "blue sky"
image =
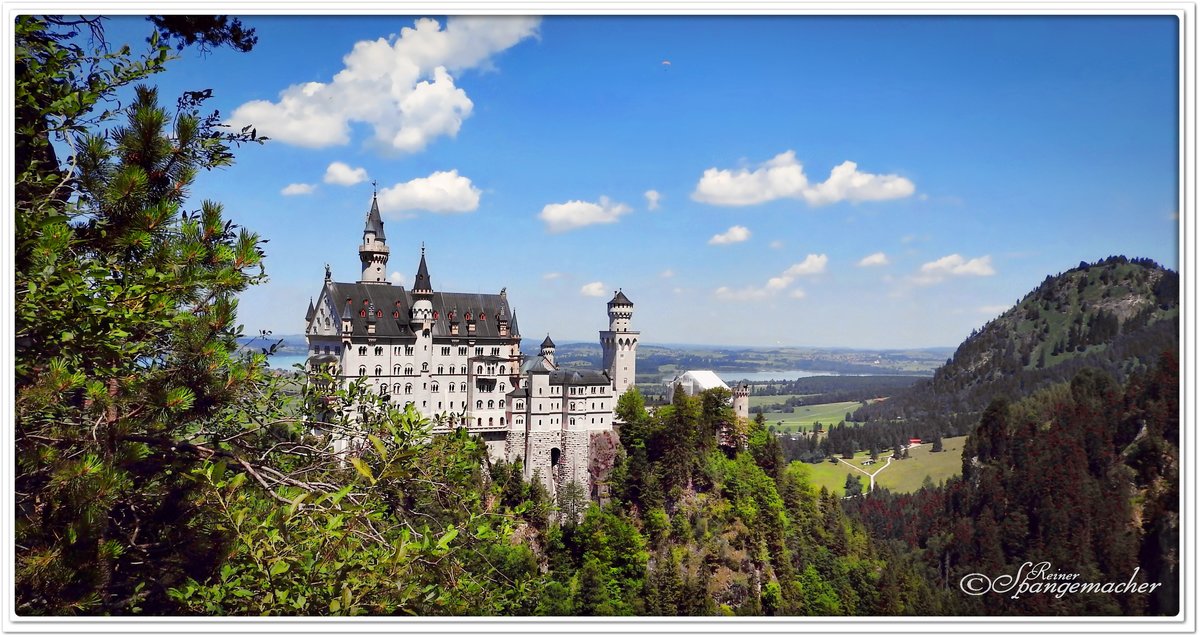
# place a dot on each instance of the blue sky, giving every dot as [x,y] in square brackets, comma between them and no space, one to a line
[985,154]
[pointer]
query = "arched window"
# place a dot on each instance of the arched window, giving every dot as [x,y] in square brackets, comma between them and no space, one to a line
[451,388]
[396,370]
[424,367]
[378,370]
[479,404]
[379,350]
[501,386]
[408,388]
[501,421]
[501,370]
[383,389]
[435,387]
[362,370]
[396,388]
[362,351]
[572,421]
[478,422]
[462,387]
[491,404]
[440,368]
[464,369]
[408,370]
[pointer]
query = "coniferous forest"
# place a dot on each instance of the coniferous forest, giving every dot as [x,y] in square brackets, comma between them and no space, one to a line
[161,471]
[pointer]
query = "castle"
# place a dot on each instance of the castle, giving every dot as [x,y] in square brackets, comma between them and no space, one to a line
[456,357]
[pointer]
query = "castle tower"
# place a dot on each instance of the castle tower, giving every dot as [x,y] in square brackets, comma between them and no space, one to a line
[741,401]
[620,343]
[547,351]
[422,294]
[374,251]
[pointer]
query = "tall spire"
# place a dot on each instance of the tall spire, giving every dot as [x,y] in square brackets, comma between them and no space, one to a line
[422,283]
[374,221]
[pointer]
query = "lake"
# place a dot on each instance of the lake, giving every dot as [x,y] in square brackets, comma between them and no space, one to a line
[285,361]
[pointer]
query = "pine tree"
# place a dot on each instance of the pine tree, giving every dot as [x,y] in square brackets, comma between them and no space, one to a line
[125,326]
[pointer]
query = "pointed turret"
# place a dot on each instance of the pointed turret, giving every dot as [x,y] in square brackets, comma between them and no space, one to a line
[547,350]
[422,285]
[373,253]
[422,293]
[312,311]
[374,221]
[513,330]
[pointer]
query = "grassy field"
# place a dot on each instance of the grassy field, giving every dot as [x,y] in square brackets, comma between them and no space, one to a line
[906,476]
[828,414]
[903,476]
[833,476]
[759,401]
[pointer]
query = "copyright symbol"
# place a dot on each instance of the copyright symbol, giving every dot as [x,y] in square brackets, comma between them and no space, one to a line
[975,584]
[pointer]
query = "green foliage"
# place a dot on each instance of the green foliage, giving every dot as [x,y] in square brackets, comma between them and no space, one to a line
[125,326]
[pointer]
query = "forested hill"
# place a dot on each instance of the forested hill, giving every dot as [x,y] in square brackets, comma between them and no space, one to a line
[1117,314]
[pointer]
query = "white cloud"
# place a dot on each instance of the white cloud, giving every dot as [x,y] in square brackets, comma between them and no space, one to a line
[550,276]
[735,234]
[652,199]
[443,191]
[741,294]
[396,278]
[291,190]
[400,86]
[782,177]
[953,265]
[812,264]
[666,274]
[776,244]
[878,258]
[561,217]
[343,175]
[595,288]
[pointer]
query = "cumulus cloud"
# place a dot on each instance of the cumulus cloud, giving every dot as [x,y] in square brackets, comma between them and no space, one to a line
[400,86]
[343,175]
[291,190]
[878,258]
[550,276]
[443,192]
[782,177]
[953,265]
[595,288]
[812,264]
[652,199]
[561,217]
[735,234]
[396,278]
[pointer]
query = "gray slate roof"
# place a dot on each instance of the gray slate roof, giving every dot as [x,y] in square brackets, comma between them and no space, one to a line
[390,299]
[579,377]
[620,299]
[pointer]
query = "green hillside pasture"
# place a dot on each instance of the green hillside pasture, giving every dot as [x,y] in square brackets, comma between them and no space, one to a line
[833,476]
[906,476]
[761,401]
[828,414]
[902,476]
